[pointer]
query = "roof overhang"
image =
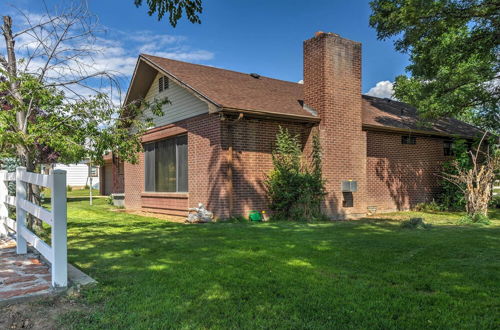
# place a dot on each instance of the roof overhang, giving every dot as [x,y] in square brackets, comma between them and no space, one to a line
[413,131]
[270,115]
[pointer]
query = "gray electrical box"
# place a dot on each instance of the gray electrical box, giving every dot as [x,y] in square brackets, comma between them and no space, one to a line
[349,186]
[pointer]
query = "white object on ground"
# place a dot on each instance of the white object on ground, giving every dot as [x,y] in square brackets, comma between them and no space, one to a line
[199,214]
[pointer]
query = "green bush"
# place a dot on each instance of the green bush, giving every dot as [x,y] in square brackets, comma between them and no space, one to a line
[474,219]
[109,200]
[429,207]
[295,191]
[415,223]
[69,188]
[236,219]
[87,187]
[495,202]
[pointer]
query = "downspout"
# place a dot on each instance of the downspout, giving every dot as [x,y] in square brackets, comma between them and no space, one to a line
[230,162]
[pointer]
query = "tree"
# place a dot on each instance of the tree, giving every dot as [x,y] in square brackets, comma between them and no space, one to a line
[475,177]
[49,112]
[52,104]
[453,47]
[175,9]
[452,194]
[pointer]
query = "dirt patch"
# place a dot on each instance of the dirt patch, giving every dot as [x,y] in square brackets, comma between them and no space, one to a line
[170,218]
[42,313]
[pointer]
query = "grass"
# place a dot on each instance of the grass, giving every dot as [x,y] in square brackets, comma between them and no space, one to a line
[359,274]
[75,193]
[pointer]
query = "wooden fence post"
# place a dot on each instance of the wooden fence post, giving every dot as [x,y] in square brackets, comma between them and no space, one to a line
[4,211]
[21,246]
[59,227]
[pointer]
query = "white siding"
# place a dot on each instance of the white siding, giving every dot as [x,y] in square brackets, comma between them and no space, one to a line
[183,103]
[77,175]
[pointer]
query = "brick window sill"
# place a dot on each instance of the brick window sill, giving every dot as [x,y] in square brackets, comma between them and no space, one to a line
[180,195]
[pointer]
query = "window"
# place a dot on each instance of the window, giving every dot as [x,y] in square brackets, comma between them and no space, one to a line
[93,171]
[408,139]
[166,168]
[448,148]
[162,84]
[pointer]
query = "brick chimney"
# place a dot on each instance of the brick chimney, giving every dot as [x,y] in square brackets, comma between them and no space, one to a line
[332,87]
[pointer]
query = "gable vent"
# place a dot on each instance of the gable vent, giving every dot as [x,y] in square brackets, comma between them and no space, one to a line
[162,84]
[255,75]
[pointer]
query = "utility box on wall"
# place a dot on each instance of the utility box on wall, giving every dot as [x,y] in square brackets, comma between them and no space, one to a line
[349,186]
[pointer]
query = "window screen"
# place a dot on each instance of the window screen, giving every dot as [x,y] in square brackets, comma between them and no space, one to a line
[166,168]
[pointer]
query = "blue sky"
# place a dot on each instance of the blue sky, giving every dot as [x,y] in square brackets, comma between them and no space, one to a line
[260,36]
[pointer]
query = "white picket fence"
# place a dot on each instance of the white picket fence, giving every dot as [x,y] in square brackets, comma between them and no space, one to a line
[56,253]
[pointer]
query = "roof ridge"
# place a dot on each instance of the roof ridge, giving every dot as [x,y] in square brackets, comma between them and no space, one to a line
[217,68]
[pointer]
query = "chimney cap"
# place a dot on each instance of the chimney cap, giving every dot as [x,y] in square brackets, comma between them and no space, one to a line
[321,33]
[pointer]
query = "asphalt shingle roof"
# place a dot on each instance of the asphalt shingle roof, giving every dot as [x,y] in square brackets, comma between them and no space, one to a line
[240,91]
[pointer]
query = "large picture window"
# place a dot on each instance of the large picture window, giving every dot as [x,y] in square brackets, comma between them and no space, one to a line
[166,168]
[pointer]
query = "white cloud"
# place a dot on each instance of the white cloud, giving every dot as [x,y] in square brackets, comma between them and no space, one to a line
[111,50]
[382,89]
[301,81]
[195,56]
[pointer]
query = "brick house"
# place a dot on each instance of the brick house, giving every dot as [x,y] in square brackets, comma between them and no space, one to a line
[214,143]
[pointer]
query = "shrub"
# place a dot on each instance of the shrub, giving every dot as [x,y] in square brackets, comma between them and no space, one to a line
[495,202]
[429,207]
[474,219]
[236,219]
[9,164]
[295,191]
[415,223]
[475,180]
[109,200]
[87,187]
[69,188]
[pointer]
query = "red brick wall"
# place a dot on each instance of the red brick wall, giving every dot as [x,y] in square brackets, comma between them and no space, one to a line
[206,182]
[399,176]
[208,144]
[253,143]
[169,203]
[332,86]
[117,167]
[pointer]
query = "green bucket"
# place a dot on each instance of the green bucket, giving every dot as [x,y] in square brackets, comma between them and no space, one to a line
[255,216]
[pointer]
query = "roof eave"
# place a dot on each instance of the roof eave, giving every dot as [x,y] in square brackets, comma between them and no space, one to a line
[270,114]
[414,131]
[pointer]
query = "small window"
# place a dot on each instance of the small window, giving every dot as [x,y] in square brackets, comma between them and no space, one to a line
[448,148]
[408,139]
[162,84]
[94,172]
[348,199]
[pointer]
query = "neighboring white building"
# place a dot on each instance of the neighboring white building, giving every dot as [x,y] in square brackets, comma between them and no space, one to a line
[77,175]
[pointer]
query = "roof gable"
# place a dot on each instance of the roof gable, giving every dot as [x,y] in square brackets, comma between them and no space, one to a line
[237,91]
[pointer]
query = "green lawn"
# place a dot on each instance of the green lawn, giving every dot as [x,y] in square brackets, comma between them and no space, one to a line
[357,274]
